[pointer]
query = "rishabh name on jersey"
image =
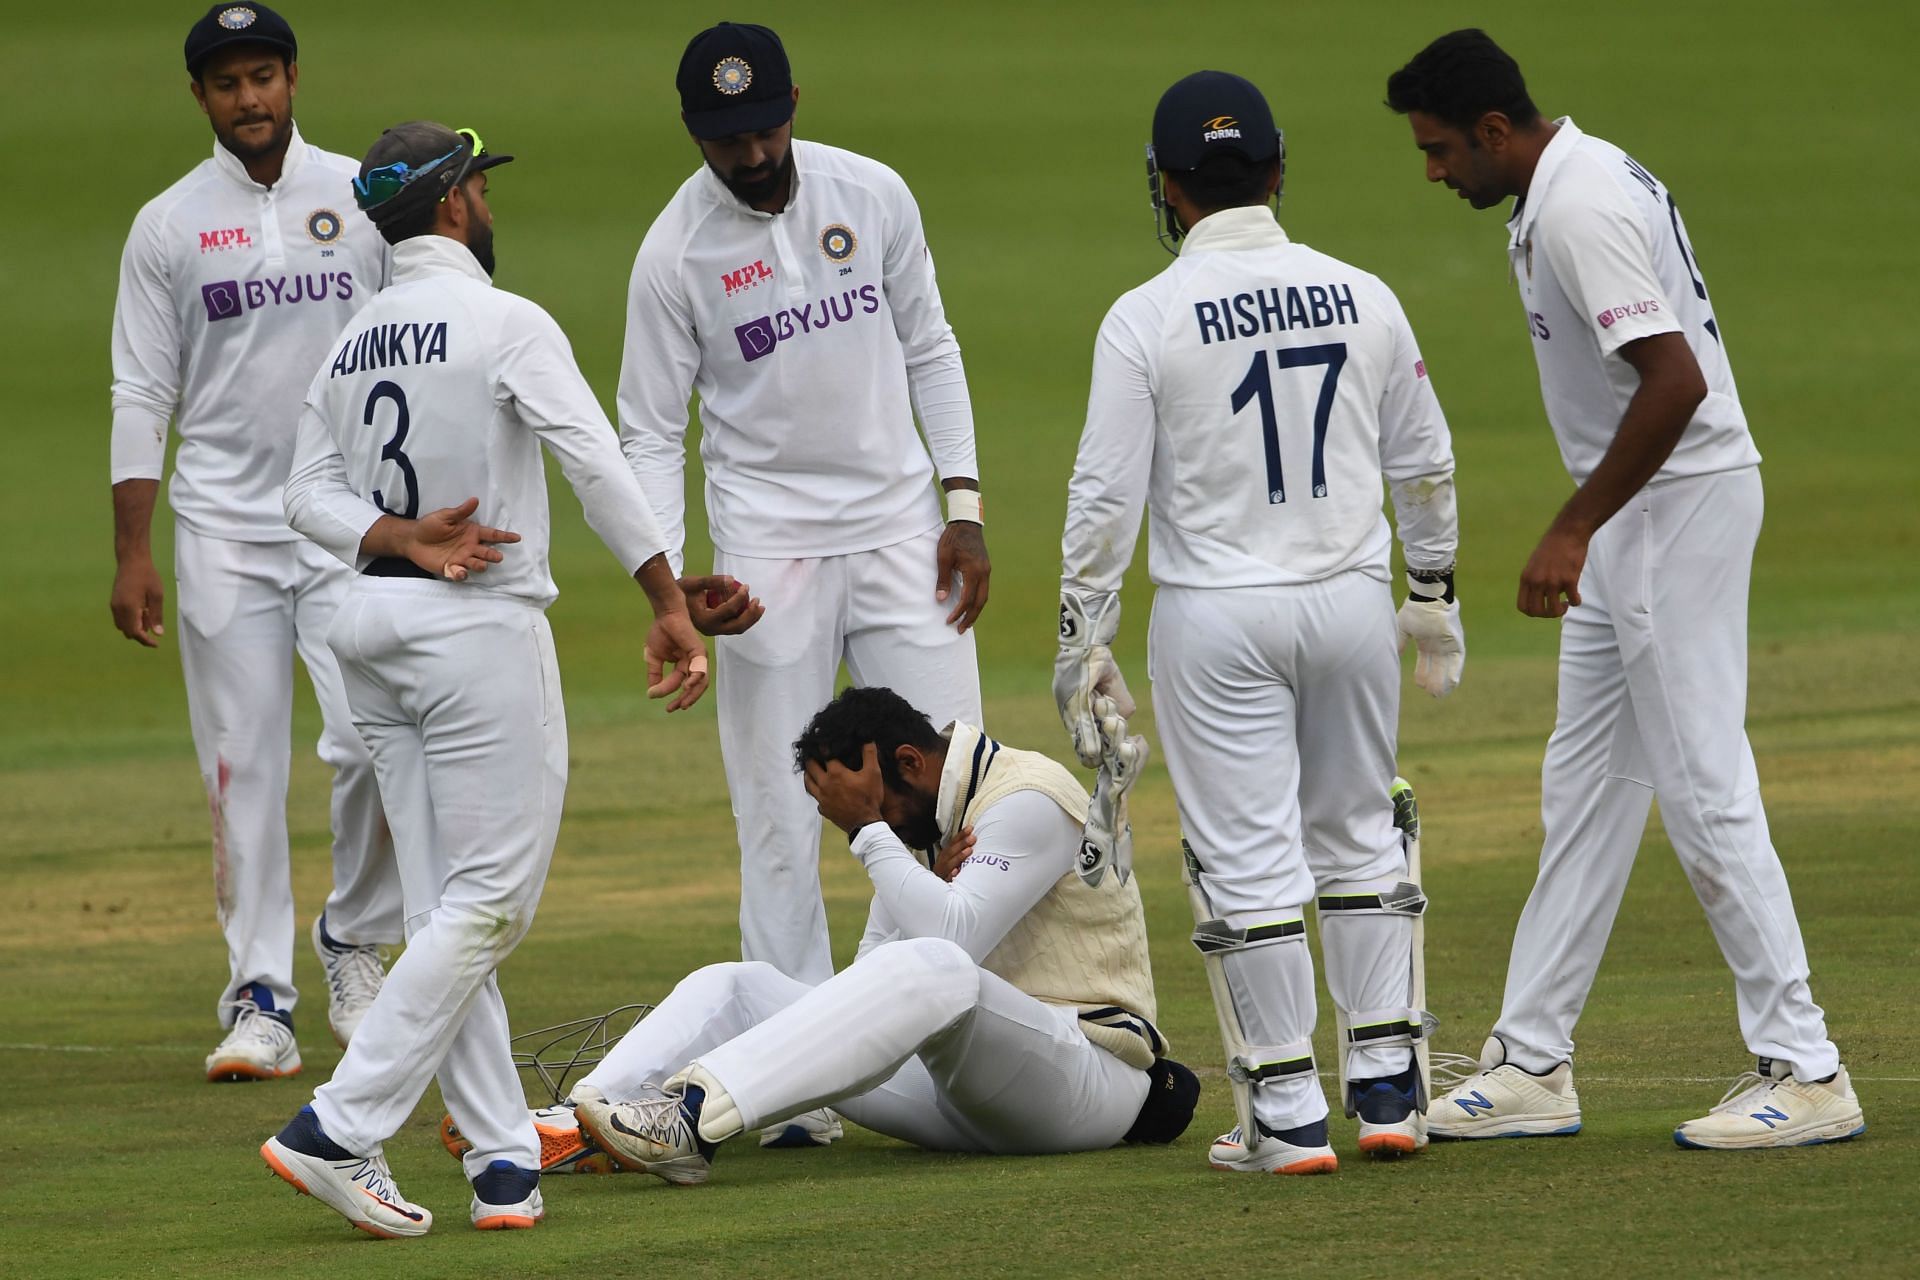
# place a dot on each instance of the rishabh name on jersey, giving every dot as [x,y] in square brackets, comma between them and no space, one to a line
[1601,257]
[805,322]
[1282,381]
[229,294]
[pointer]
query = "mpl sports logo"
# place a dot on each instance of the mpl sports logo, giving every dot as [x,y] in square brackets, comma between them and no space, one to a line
[1613,315]
[758,338]
[228,299]
[225,238]
[1220,127]
[746,277]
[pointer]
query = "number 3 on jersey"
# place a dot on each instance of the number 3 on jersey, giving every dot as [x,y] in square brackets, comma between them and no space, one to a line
[1259,383]
[391,450]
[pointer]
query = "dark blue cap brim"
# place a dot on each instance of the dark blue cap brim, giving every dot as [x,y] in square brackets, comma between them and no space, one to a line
[743,117]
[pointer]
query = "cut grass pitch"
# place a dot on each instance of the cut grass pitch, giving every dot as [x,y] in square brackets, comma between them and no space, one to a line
[1019,128]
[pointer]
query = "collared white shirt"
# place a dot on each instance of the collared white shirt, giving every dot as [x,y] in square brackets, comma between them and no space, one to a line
[444,388]
[1601,257]
[1252,396]
[229,294]
[813,337]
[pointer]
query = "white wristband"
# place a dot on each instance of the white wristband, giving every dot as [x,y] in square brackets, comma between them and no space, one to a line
[964,504]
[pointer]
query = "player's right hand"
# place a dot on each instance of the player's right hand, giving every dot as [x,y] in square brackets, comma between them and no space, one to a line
[1434,629]
[137,601]
[721,605]
[673,643]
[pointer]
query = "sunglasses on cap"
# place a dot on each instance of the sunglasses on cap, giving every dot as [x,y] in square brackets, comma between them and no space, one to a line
[378,186]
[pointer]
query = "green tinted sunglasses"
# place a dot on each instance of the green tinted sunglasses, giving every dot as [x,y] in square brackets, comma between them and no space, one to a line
[389,180]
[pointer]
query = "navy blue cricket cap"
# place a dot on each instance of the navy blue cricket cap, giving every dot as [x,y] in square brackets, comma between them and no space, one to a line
[1208,113]
[226,24]
[734,78]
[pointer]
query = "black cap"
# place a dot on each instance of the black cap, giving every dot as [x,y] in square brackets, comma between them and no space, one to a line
[1208,113]
[417,144]
[226,24]
[734,78]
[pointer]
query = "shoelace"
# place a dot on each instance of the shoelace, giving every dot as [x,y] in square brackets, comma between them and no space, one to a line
[1744,1085]
[1450,1070]
[659,1119]
[373,1174]
[250,1022]
[355,973]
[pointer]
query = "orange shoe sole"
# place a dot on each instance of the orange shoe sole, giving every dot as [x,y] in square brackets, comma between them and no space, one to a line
[1389,1144]
[242,1072]
[505,1222]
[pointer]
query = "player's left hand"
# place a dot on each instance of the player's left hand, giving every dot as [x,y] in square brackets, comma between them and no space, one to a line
[1553,571]
[448,544]
[672,642]
[721,605]
[953,854]
[1433,627]
[963,551]
[848,798]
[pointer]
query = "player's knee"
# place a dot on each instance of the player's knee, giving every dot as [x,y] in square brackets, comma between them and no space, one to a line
[930,973]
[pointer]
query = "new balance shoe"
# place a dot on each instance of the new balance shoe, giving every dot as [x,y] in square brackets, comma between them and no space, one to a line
[1505,1101]
[360,1189]
[1389,1114]
[658,1134]
[1770,1108]
[354,975]
[507,1197]
[1298,1151]
[808,1129]
[564,1148]
[259,1045]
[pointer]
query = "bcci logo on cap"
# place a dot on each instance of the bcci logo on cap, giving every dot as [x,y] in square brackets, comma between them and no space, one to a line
[1220,127]
[238,18]
[732,76]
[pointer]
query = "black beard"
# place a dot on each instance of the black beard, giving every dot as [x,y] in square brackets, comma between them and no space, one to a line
[282,134]
[761,184]
[480,244]
[920,831]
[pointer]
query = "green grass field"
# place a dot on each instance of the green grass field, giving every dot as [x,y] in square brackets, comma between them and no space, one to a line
[1019,127]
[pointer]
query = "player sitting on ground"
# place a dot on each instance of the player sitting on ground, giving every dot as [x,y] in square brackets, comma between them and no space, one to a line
[1010,1010]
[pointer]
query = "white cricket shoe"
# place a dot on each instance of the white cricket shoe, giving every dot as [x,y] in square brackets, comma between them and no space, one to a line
[808,1129]
[654,1134]
[1270,1155]
[1503,1101]
[360,1189]
[1769,1108]
[259,1046]
[354,975]
[563,1147]
[506,1198]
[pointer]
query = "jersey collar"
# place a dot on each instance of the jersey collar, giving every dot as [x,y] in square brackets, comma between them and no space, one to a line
[433,255]
[969,753]
[1250,227]
[229,164]
[1527,208]
[718,189]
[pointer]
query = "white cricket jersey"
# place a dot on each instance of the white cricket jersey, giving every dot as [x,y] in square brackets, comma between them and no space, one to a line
[443,389]
[229,294]
[812,337]
[1272,387]
[1602,258]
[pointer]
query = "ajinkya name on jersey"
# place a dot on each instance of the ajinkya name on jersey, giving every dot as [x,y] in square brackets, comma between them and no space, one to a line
[388,345]
[759,337]
[227,299]
[1275,311]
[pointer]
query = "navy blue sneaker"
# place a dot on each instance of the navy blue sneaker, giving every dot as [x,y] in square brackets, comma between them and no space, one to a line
[1389,1111]
[507,1197]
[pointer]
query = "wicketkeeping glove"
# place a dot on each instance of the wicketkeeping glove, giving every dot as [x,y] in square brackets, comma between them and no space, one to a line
[1108,838]
[1431,620]
[1085,667]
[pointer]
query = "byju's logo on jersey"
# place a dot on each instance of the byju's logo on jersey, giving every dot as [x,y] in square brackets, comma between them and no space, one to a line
[1220,127]
[225,238]
[746,277]
[758,338]
[226,299]
[1613,315]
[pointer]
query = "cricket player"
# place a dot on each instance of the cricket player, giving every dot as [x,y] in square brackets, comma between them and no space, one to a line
[1647,567]
[437,399]
[232,283]
[1008,1010]
[1253,396]
[790,285]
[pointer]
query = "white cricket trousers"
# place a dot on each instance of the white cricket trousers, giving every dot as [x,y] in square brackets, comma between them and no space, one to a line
[1278,708]
[876,610]
[1653,701]
[458,696]
[913,1040]
[244,609]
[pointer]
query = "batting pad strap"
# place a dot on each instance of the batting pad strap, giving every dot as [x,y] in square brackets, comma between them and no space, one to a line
[1259,1064]
[1214,937]
[1402,899]
[1382,1028]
